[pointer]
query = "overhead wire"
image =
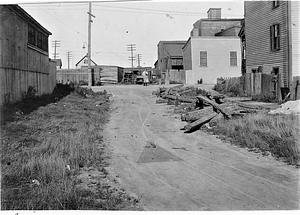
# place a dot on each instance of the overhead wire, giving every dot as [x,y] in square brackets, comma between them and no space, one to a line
[84,36]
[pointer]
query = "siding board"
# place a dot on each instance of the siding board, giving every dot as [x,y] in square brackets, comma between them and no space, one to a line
[259,16]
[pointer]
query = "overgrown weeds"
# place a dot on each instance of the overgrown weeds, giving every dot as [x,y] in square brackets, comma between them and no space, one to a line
[43,153]
[32,102]
[275,134]
[268,97]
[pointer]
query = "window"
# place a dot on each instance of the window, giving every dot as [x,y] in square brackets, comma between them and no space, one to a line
[275,3]
[37,38]
[203,58]
[31,35]
[275,37]
[233,58]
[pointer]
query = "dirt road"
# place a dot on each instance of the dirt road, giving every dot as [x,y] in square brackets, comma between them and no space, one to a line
[172,170]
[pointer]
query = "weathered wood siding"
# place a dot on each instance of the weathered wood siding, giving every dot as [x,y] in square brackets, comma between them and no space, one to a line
[15,83]
[21,66]
[259,16]
[295,33]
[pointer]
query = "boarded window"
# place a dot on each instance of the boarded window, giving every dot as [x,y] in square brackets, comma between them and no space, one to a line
[275,37]
[203,58]
[233,58]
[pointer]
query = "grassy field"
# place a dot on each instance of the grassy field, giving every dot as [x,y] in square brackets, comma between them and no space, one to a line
[275,134]
[44,151]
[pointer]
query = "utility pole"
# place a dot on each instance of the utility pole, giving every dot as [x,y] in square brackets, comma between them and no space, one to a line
[139,58]
[89,42]
[55,43]
[131,48]
[69,56]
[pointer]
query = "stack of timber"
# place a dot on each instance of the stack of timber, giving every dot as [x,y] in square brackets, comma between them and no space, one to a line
[199,107]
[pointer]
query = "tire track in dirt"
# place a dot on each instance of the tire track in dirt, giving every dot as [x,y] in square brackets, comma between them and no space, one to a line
[221,164]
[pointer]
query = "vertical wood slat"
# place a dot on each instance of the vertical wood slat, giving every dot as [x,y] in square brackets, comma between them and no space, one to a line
[16,82]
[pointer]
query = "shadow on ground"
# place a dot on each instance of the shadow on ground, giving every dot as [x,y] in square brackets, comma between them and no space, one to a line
[11,112]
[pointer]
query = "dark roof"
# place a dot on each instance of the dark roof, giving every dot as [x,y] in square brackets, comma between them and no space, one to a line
[24,15]
[173,48]
[227,29]
[58,62]
[85,56]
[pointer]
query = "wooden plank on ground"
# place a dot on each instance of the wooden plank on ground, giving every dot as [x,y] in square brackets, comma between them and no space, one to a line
[226,113]
[195,125]
[195,115]
[249,106]
[181,99]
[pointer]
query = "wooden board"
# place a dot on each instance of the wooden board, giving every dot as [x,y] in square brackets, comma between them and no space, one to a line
[196,125]
[226,113]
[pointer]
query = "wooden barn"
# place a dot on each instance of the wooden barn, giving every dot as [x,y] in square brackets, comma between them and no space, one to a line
[100,75]
[24,56]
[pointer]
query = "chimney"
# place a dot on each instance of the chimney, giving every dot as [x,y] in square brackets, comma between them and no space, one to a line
[214,13]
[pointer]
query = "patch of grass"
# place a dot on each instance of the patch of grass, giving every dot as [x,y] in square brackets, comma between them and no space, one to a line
[231,90]
[51,145]
[277,134]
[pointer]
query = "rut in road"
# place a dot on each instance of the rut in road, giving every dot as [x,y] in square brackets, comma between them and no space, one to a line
[230,185]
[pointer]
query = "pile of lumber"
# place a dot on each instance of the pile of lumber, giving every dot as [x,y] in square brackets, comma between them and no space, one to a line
[198,107]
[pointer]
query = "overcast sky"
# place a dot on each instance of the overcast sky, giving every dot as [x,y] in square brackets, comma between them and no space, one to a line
[118,24]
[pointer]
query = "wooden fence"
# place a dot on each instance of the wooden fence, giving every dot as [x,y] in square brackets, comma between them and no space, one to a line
[103,74]
[178,76]
[262,84]
[15,83]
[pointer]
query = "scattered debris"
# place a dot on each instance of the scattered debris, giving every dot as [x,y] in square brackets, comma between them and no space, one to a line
[36,182]
[199,107]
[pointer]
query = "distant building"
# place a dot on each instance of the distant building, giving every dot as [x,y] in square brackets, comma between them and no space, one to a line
[24,55]
[83,62]
[58,63]
[213,49]
[170,57]
[272,38]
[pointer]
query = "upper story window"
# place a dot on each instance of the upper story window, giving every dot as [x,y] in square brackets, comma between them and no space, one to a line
[233,58]
[275,3]
[203,58]
[275,37]
[37,38]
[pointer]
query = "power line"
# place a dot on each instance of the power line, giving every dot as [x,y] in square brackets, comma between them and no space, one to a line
[84,35]
[83,2]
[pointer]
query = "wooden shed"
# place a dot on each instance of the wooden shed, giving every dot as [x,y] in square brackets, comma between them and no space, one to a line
[24,56]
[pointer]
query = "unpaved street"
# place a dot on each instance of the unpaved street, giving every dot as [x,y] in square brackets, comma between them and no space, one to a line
[172,170]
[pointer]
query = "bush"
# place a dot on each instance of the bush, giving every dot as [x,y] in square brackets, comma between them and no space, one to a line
[31,93]
[270,97]
[220,88]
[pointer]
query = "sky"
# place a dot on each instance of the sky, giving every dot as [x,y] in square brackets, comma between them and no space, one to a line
[119,24]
